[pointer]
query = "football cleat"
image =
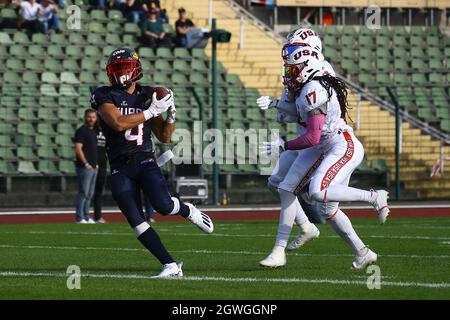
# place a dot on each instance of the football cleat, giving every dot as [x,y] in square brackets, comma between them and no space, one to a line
[170,270]
[82,221]
[364,259]
[381,206]
[200,219]
[277,258]
[303,237]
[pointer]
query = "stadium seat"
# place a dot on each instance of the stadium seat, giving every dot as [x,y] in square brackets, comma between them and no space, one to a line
[7,168]
[15,65]
[5,39]
[27,167]
[76,39]
[66,167]
[55,51]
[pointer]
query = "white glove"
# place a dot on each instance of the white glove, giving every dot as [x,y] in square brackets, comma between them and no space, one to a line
[270,148]
[266,102]
[171,111]
[156,107]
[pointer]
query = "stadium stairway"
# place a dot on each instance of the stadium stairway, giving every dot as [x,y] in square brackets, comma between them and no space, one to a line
[258,64]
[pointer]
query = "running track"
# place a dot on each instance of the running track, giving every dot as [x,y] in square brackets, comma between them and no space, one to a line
[217,214]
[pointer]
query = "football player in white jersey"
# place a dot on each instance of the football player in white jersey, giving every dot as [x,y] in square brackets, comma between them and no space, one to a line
[286,112]
[328,153]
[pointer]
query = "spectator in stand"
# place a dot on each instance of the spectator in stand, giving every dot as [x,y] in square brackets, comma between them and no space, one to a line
[154,4]
[101,174]
[50,17]
[182,25]
[134,10]
[153,34]
[162,15]
[118,5]
[30,11]
[86,162]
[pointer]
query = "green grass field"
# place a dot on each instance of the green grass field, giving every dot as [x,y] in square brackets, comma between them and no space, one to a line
[414,258]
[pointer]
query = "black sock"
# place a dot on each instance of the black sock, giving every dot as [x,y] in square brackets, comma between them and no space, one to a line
[184,211]
[152,242]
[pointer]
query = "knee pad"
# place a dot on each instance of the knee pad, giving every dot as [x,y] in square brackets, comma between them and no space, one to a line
[141,228]
[320,196]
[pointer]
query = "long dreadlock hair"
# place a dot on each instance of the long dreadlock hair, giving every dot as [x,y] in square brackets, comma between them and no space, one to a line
[329,82]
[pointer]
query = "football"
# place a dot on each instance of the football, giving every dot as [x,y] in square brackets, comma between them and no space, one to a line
[161,92]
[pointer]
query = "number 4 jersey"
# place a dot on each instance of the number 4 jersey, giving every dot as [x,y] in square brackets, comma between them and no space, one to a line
[137,139]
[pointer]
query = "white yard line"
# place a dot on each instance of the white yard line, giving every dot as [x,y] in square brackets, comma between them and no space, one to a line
[193,251]
[225,279]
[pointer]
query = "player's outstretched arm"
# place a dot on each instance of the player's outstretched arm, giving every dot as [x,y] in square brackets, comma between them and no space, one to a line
[114,119]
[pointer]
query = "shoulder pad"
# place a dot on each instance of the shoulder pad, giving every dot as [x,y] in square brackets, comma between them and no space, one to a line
[100,96]
[312,96]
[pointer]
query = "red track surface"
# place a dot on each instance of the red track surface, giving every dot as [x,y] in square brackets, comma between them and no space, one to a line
[241,215]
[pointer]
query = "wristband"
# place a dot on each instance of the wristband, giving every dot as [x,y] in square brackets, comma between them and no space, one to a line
[86,164]
[147,114]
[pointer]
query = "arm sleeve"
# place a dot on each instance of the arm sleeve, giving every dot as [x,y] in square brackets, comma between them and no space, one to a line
[311,136]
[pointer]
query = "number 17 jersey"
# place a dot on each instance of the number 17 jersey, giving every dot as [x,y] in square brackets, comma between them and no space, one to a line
[137,139]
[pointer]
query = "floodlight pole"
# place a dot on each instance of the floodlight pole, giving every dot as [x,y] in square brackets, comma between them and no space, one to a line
[215,167]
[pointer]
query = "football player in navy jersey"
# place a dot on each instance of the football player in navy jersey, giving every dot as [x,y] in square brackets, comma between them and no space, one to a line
[128,116]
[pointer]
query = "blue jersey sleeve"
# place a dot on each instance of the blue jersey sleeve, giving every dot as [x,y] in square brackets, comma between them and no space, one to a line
[100,96]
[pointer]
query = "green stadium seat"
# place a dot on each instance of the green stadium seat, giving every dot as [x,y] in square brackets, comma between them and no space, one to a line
[11,77]
[46,152]
[129,40]
[53,65]
[115,15]
[383,53]
[417,53]
[98,15]
[6,154]
[39,39]
[18,51]
[7,168]
[30,77]
[50,77]
[64,141]
[198,79]
[179,78]
[46,102]
[435,53]
[198,53]
[163,65]
[58,39]
[365,40]
[10,102]
[34,65]
[65,128]
[89,65]
[43,140]
[8,13]
[68,90]
[433,41]
[6,128]
[45,114]
[21,38]
[382,41]
[164,53]
[5,39]
[132,28]
[113,39]
[383,78]
[8,114]
[24,140]
[26,153]
[92,51]
[27,114]
[66,167]
[401,65]
[435,65]
[106,51]
[418,65]
[399,41]
[180,53]
[416,31]
[417,41]
[15,65]
[69,77]
[76,39]
[71,65]
[95,39]
[379,165]
[27,167]
[418,78]
[46,128]
[36,51]
[55,51]
[87,77]
[47,167]
[168,28]
[383,65]
[347,53]
[401,79]
[181,65]
[96,27]
[437,78]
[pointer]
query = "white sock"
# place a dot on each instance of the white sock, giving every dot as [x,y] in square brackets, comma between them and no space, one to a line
[287,216]
[300,216]
[343,227]
[338,193]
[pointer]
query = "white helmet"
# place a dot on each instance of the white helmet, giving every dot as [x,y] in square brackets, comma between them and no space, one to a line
[301,64]
[306,37]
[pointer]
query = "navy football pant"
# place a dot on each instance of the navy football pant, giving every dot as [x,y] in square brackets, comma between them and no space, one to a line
[141,171]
